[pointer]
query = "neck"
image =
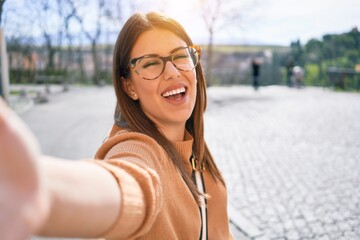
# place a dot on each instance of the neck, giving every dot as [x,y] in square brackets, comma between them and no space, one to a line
[174,134]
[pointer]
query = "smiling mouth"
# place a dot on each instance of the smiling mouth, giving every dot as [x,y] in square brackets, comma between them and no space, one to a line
[175,94]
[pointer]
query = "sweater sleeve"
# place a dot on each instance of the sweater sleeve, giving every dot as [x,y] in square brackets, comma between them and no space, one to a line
[135,163]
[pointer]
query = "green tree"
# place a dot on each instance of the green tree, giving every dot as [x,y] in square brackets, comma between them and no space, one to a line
[314,53]
[298,53]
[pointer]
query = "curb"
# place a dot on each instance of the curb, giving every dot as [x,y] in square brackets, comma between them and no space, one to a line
[247,229]
[21,104]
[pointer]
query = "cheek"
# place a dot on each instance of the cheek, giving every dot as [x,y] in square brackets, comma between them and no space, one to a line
[144,87]
[191,76]
[193,80]
[147,92]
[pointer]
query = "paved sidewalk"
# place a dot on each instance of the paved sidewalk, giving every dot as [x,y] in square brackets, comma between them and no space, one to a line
[290,157]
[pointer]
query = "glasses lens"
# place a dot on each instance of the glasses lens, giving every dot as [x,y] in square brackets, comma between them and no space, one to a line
[185,59]
[149,67]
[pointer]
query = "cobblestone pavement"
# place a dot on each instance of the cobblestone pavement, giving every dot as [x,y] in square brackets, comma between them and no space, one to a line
[291,159]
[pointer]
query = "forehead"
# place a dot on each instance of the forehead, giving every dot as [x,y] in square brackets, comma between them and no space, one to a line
[156,41]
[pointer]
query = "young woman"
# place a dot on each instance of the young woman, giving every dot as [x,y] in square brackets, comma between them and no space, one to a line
[153,178]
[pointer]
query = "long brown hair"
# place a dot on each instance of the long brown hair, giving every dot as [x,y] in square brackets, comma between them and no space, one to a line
[129,113]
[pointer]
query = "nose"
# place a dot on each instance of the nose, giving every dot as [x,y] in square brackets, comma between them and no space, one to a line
[170,71]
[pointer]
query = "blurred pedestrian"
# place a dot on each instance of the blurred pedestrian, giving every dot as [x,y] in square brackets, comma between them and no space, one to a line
[289,71]
[298,76]
[255,73]
[152,178]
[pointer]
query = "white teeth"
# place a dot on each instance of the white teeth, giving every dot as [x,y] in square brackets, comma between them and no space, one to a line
[173,92]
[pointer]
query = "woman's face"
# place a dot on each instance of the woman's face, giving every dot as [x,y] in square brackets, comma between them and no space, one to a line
[160,98]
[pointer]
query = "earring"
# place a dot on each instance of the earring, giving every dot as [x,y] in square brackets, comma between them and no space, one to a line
[134,96]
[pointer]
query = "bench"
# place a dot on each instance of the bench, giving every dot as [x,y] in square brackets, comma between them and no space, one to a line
[336,77]
[48,80]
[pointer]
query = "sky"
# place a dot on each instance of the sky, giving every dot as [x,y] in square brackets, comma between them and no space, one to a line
[279,22]
[266,22]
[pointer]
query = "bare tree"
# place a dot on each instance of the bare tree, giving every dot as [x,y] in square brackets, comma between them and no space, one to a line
[93,36]
[44,11]
[20,43]
[115,12]
[218,15]
[71,17]
[60,10]
[2,2]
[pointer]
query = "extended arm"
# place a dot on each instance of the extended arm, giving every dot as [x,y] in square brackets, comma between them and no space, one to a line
[43,195]
[84,198]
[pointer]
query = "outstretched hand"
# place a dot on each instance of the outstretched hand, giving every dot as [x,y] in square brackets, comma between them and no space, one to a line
[23,199]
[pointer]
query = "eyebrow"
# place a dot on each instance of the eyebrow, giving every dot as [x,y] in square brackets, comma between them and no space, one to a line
[175,49]
[171,52]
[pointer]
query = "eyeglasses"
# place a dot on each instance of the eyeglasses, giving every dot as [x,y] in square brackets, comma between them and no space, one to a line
[151,66]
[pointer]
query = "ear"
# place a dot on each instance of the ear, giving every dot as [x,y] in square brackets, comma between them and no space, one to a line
[129,88]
